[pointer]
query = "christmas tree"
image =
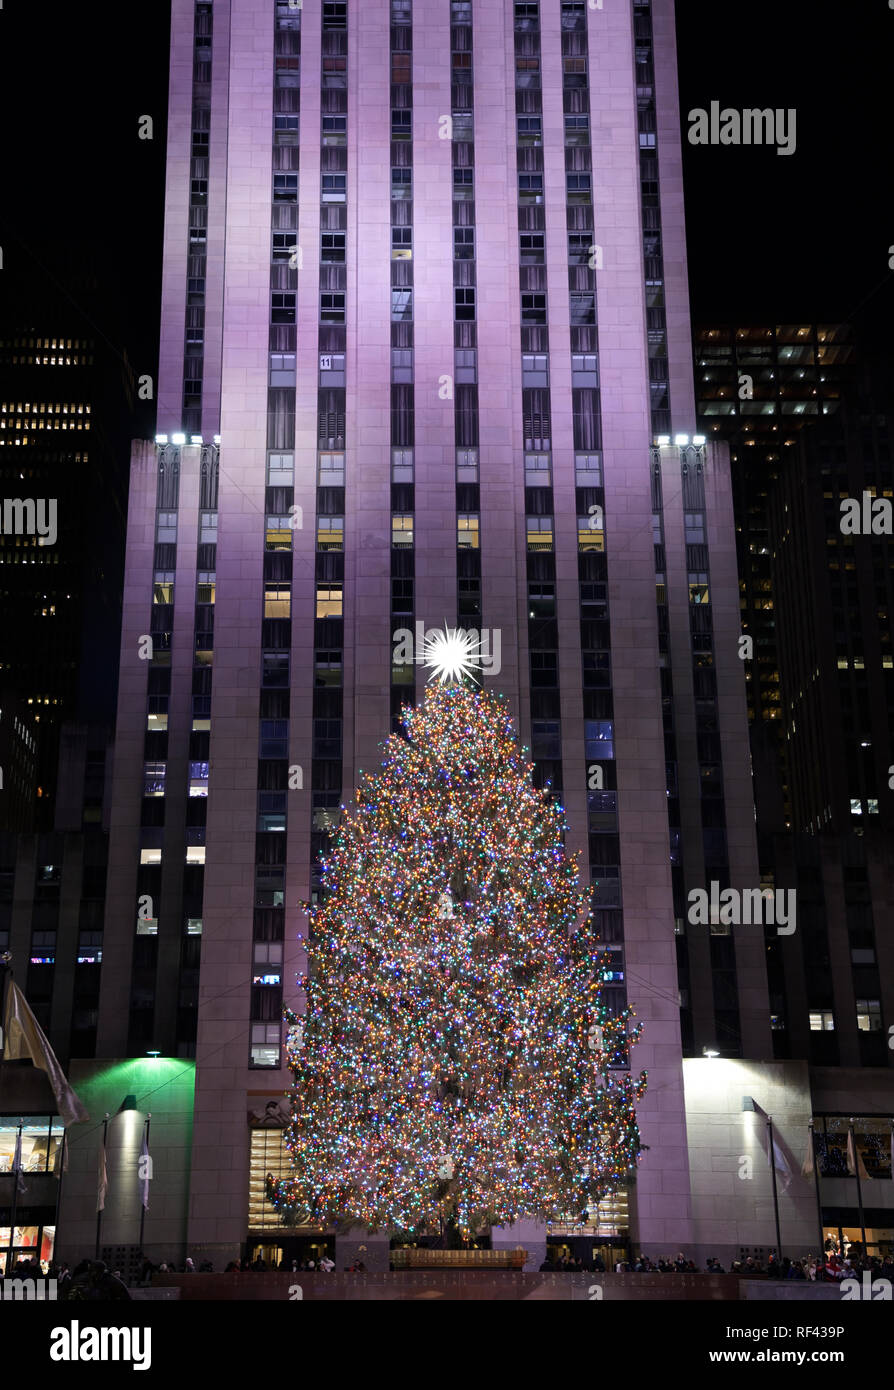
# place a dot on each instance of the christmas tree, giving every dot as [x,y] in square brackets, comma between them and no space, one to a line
[454,1064]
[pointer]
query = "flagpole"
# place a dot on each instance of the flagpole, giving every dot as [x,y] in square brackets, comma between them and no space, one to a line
[5,977]
[15,1197]
[105,1131]
[146,1124]
[819,1205]
[775,1193]
[859,1187]
[61,1158]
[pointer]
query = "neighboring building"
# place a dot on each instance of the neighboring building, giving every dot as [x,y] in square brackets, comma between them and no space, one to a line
[18,764]
[757,387]
[65,400]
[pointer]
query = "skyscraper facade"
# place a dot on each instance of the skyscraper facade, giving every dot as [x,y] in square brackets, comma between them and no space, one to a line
[425,359]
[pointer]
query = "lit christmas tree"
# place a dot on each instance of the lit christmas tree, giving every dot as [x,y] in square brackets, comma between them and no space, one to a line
[453,1063]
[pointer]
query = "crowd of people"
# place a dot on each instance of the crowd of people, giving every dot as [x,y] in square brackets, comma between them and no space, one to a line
[828,1267]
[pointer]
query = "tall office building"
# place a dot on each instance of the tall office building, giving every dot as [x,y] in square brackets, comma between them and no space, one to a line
[425,358]
[66,397]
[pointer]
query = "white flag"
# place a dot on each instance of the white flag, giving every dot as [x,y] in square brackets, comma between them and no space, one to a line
[25,1038]
[102,1184]
[143,1171]
[809,1157]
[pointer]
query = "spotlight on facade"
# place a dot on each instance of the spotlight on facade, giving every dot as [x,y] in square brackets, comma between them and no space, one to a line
[161,439]
[663,439]
[710,1052]
[153,1054]
[196,439]
[217,439]
[178,438]
[681,440]
[698,440]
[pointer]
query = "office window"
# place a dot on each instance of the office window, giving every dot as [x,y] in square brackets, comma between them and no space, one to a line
[329,600]
[462,126]
[537,470]
[460,11]
[274,670]
[333,187]
[578,187]
[401,306]
[327,668]
[401,530]
[401,11]
[332,248]
[332,470]
[163,586]
[599,737]
[467,531]
[282,369]
[401,465]
[822,1021]
[154,779]
[277,601]
[530,130]
[695,528]
[577,130]
[206,586]
[401,243]
[464,304]
[278,532]
[334,130]
[274,738]
[530,188]
[285,188]
[533,309]
[330,533]
[463,183]
[541,600]
[532,248]
[198,779]
[463,243]
[335,16]
[698,588]
[282,308]
[286,130]
[280,470]
[869,1015]
[583,308]
[400,68]
[265,1043]
[540,532]
[332,307]
[467,465]
[334,73]
[401,183]
[166,528]
[208,528]
[588,536]
[401,125]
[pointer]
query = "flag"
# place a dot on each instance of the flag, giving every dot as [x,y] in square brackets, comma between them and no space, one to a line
[855,1162]
[17,1165]
[102,1184]
[809,1157]
[781,1163]
[60,1158]
[24,1037]
[143,1171]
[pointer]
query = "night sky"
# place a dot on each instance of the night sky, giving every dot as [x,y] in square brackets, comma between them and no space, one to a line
[804,237]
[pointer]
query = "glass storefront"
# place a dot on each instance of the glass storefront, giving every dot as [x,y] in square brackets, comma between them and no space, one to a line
[41,1141]
[29,1243]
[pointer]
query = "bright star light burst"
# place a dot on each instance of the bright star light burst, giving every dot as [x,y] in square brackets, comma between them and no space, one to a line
[451,655]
